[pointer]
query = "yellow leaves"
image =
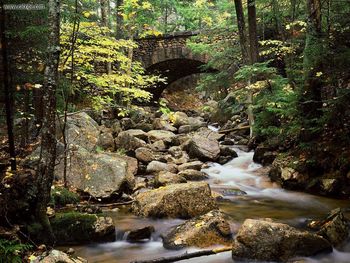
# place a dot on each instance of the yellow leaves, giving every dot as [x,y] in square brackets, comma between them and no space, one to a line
[146,5]
[86,14]
[200,224]
[319,74]
[32,258]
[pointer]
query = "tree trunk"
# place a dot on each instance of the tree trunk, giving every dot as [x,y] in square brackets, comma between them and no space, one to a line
[242,31]
[253,35]
[120,30]
[313,56]
[104,12]
[46,165]
[7,90]
[254,57]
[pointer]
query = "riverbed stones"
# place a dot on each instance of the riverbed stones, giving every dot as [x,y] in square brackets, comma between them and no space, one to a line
[166,178]
[128,142]
[140,235]
[193,175]
[175,201]
[264,240]
[209,134]
[203,148]
[161,124]
[101,175]
[228,151]
[180,119]
[195,165]
[157,135]
[203,231]
[56,256]
[145,155]
[156,167]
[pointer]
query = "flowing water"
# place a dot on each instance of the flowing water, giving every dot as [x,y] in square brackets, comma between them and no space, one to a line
[248,193]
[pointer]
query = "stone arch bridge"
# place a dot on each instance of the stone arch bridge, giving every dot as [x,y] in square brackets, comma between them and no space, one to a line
[169,56]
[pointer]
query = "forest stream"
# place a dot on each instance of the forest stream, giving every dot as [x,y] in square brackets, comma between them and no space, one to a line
[263,199]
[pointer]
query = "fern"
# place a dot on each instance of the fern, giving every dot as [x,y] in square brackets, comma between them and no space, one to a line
[11,251]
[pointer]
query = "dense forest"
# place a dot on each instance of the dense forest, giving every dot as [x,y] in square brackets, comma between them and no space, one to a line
[174,130]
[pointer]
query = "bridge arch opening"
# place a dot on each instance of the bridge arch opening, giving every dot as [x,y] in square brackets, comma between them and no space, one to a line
[173,70]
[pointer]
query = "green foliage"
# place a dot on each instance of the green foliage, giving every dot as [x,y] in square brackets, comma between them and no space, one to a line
[94,49]
[61,196]
[12,251]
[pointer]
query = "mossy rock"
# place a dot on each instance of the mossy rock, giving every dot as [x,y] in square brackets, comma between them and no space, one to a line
[77,228]
[61,196]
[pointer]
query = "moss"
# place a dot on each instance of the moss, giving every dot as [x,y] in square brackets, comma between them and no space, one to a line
[61,196]
[73,227]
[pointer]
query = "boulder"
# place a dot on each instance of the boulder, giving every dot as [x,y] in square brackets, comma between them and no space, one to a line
[106,141]
[127,141]
[264,155]
[157,135]
[158,146]
[284,172]
[145,155]
[193,175]
[180,119]
[203,148]
[56,256]
[263,240]
[156,167]
[101,175]
[166,178]
[335,228]
[161,124]
[228,151]
[127,123]
[185,129]
[138,133]
[81,130]
[139,235]
[73,228]
[203,231]
[175,201]
[196,122]
[209,134]
[195,165]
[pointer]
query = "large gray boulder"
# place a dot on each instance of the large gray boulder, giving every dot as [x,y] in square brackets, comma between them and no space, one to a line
[268,241]
[203,148]
[175,201]
[101,175]
[81,130]
[203,231]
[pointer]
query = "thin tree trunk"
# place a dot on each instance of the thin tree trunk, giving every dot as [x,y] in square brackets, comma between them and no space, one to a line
[254,57]
[104,12]
[120,25]
[242,31]
[8,91]
[104,22]
[46,165]
[313,56]
[253,35]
